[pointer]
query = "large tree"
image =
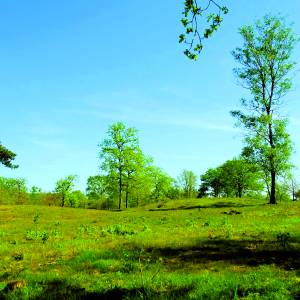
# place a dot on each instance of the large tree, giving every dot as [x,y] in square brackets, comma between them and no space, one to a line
[211,183]
[264,66]
[6,157]
[117,153]
[240,177]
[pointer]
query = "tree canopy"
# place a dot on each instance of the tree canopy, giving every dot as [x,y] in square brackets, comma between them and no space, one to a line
[264,65]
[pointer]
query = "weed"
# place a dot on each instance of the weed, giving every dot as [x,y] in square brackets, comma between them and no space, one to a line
[119,229]
[284,239]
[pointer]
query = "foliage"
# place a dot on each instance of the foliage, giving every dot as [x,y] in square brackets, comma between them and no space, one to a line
[6,157]
[13,191]
[187,181]
[265,63]
[116,152]
[76,199]
[193,37]
[128,174]
[64,187]
[119,229]
[234,178]
[35,195]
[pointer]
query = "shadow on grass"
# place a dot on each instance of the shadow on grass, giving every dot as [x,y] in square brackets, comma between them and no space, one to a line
[213,205]
[251,253]
[61,290]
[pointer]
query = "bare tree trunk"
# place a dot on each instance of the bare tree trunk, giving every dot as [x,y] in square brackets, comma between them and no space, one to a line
[120,189]
[273,189]
[127,198]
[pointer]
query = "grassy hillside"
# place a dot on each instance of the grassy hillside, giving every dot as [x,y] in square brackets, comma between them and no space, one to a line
[195,249]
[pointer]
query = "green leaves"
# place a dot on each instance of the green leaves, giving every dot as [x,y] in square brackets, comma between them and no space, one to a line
[64,187]
[193,35]
[6,157]
[264,65]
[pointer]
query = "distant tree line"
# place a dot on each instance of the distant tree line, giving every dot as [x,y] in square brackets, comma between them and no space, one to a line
[128,178]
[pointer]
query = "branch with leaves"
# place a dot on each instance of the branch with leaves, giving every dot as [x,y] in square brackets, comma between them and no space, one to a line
[194,35]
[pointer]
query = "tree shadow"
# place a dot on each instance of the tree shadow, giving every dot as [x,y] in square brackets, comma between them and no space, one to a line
[61,290]
[220,204]
[245,252]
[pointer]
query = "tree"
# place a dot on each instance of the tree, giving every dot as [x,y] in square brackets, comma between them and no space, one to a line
[13,190]
[265,64]
[35,194]
[239,177]
[188,181]
[97,191]
[161,183]
[77,199]
[193,36]
[234,178]
[297,194]
[116,152]
[292,186]
[211,183]
[6,157]
[64,188]
[136,163]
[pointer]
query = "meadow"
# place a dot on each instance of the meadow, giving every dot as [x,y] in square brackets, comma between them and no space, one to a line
[183,249]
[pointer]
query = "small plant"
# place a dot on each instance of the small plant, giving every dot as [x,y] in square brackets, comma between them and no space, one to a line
[36,235]
[44,236]
[56,233]
[36,218]
[284,239]
[190,222]
[18,256]
[119,229]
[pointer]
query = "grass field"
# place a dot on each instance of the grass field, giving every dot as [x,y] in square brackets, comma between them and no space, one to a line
[193,249]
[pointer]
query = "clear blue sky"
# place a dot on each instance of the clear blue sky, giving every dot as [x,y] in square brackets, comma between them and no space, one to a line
[69,69]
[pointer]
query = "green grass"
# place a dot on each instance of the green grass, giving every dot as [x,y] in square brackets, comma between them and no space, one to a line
[187,249]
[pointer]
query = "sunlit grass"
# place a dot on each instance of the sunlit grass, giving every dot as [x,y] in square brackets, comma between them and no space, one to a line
[186,249]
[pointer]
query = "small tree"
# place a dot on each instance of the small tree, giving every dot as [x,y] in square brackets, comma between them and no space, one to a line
[188,182]
[13,190]
[35,194]
[265,63]
[64,187]
[292,186]
[161,183]
[98,192]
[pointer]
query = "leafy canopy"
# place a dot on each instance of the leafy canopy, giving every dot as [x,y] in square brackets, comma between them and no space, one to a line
[264,67]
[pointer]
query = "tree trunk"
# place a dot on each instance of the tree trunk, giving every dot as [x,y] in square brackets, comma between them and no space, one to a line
[240,191]
[63,201]
[120,190]
[127,198]
[273,173]
[273,182]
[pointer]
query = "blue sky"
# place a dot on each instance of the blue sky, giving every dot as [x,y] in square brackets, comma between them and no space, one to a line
[69,69]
